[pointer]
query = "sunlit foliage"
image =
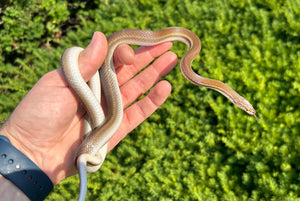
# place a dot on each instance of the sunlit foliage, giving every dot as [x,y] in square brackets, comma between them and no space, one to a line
[197,146]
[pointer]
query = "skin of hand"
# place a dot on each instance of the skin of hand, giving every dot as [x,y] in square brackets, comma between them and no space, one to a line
[46,125]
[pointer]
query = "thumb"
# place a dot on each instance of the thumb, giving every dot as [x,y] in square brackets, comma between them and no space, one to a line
[92,57]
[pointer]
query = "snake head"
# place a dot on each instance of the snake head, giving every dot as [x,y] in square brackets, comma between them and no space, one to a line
[246,106]
[251,111]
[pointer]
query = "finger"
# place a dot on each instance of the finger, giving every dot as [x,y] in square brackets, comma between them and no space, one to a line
[141,83]
[123,55]
[138,112]
[143,56]
[92,57]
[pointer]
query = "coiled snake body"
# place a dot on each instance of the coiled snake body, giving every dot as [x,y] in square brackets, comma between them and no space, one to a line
[89,158]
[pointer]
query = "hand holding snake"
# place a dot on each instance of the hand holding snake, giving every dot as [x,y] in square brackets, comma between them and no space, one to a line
[46,125]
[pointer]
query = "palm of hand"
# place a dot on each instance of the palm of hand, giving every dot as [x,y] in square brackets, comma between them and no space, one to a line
[47,123]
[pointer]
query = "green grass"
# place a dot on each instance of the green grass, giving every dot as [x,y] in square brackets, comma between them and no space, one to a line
[197,146]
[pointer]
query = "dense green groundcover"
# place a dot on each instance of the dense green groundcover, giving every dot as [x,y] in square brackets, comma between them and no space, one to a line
[197,146]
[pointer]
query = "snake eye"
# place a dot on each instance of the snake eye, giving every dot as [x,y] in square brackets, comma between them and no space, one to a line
[249,110]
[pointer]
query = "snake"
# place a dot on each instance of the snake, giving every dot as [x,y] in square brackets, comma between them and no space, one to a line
[92,150]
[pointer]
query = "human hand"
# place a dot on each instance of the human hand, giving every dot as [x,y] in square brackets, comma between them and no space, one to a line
[46,125]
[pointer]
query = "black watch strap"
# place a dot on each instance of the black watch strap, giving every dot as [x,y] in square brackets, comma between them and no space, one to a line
[25,174]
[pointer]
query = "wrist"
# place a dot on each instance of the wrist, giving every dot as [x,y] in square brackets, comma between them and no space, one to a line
[20,144]
[23,172]
[44,155]
[9,191]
